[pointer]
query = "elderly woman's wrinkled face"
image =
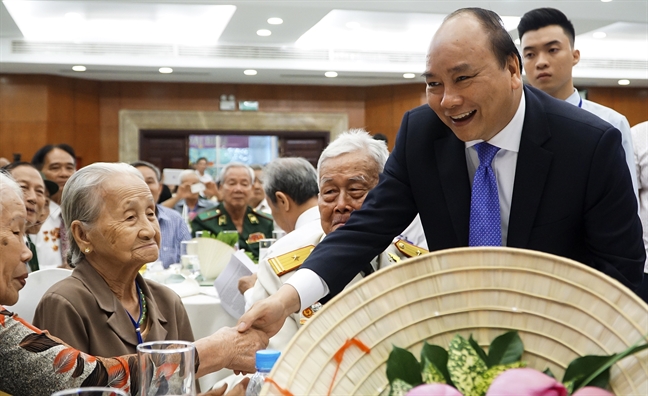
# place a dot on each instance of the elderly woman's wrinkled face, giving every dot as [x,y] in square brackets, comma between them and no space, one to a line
[127,232]
[236,187]
[344,183]
[14,253]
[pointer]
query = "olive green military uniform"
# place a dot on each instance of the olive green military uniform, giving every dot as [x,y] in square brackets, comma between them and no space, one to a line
[256,226]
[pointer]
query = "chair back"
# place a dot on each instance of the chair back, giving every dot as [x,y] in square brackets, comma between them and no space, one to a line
[37,284]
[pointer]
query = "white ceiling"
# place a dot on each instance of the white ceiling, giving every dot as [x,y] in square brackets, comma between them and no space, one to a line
[398,33]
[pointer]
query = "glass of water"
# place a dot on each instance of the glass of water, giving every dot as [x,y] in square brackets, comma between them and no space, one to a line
[167,368]
[264,244]
[189,257]
[91,391]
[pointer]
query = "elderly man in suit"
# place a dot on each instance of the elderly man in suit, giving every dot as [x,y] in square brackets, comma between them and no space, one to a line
[489,162]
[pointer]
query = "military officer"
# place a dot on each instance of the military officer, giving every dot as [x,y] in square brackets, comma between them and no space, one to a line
[233,213]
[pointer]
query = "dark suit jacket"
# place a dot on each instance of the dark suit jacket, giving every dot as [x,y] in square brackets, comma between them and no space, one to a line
[572,195]
[82,311]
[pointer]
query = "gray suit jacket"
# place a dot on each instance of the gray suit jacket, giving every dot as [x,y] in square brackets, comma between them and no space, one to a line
[82,311]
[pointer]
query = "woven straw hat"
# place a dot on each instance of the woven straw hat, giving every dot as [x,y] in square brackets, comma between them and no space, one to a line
[561,308]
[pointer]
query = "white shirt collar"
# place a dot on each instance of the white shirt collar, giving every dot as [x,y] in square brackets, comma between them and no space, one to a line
[309,215]
[509,137]
[574,98]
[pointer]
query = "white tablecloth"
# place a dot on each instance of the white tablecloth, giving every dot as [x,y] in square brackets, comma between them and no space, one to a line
[207,316]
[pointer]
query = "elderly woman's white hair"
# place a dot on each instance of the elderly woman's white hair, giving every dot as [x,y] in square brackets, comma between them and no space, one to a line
[81,198]
[355,140]
[7,183]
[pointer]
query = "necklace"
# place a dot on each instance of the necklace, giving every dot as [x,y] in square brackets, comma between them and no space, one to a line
[142,316]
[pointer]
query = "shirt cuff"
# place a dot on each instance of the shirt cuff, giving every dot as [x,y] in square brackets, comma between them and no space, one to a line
[310,287]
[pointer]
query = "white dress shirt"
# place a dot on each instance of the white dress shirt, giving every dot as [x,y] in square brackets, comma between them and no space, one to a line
[311,287]
[618,121]
[640,141]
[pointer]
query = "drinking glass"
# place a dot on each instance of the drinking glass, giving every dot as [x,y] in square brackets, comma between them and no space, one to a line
[189,256]
[91,391]
[264,244]
[232,232]
[278,234]
[167,368]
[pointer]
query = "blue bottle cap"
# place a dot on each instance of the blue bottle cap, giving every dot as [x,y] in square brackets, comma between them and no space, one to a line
[266,358]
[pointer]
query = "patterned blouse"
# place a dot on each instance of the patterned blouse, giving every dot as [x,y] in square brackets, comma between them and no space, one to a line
[34,363]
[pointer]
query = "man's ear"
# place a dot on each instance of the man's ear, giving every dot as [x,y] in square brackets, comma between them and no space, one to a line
[80,235]
[515,69]
[576,57]
[283,203]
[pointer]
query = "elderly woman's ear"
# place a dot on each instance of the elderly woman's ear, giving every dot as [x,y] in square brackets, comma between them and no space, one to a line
[80,235]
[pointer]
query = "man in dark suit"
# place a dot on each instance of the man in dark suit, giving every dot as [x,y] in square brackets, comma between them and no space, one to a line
[558,173]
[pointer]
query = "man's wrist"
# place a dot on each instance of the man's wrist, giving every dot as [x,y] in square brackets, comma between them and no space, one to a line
[289,298]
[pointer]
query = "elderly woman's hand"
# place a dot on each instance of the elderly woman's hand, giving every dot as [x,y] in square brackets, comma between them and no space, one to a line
[229,348]
[237,390]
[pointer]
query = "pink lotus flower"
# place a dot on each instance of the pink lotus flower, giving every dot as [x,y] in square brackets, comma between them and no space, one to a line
[434,390]
[592,391]
[525,382]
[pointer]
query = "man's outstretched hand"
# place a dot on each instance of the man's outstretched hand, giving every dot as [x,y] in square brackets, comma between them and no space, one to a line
[269,314]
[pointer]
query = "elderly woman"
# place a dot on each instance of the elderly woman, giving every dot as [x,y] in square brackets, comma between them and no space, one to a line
[233,213]
[105,307]
[33,363]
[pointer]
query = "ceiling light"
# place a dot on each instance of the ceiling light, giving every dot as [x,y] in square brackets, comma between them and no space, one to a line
[606,1]
[166,70]
[250,72]
[263,32]
[330,74]
[409,75]
[624,82]
[353,25]
[599,35]
[79,68]
[517,41]
[275,21]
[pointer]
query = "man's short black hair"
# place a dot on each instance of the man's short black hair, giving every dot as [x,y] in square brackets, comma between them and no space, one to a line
[502,44]
[380,136]
[38,160]
[543,17]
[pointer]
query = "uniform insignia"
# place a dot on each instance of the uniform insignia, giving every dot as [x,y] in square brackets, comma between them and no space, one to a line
[310,311]
[253,218]
[222,220]
[408,249]
[256,237]
[393,258]
[262,214]
[290,261]
[208,214]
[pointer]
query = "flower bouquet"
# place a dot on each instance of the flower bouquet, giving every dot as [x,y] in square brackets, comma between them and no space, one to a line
[466,369]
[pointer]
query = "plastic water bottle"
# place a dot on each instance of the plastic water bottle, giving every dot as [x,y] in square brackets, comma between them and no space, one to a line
[265,359]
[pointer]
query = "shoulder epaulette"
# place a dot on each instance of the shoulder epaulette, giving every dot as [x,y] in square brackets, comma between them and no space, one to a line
[409,249]
[265,215]
[209,214]
[290,261]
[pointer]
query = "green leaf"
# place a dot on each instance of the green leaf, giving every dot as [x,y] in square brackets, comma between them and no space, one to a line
[583,367]
[438,357]
[399,388]
[402,365]
[483,382]
[548,372]
[505,349]
[594,379]
[478,349]
[464,365]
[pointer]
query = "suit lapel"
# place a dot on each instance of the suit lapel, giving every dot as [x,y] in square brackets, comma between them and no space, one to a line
[451,162]
[531,172]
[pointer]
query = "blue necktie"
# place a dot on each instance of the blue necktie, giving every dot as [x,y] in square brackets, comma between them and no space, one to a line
[485,226]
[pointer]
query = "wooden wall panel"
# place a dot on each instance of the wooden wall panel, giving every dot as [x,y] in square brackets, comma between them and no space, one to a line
[631,102]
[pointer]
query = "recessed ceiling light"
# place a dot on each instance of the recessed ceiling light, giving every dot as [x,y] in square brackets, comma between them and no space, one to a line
[263,32]
[353,25]
[409,75]
[79,68]
[599,35]
[250,72]
[606,1]
[517,41]
[624,82]
[166,70]
[275,21]
[330,74]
